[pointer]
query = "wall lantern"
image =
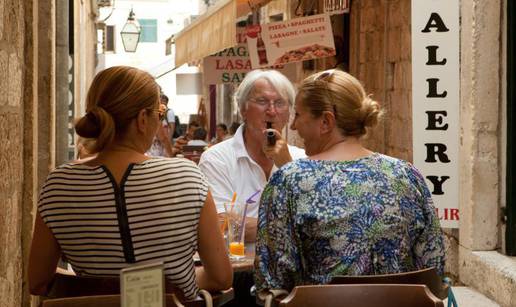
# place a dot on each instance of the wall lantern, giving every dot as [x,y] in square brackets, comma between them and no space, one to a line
[131,33]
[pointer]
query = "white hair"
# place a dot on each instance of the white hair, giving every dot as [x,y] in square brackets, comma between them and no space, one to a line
[280,83]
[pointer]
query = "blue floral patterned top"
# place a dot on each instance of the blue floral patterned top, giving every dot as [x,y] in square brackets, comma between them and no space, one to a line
[317,219]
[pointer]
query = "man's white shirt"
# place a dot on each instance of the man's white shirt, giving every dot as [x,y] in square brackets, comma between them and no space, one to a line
[229,168]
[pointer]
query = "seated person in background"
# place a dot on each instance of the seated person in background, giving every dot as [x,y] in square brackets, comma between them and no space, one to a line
[233,128]
[112,211]
[84,146]
[221,134]
[199,138]
[345,210]
[184,139]
[244,163]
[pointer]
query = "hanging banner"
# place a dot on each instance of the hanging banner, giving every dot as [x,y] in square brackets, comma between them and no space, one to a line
[435,102]
[290,41]
[231,64]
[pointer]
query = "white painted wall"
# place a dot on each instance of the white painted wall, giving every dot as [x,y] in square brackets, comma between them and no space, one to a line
[170,16]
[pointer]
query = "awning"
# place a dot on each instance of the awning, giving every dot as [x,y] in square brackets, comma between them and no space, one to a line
[213,31]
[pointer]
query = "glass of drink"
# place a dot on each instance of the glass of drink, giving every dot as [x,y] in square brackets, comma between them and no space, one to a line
[236,231]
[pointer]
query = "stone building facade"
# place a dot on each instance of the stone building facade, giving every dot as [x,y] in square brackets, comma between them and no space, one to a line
[27,124]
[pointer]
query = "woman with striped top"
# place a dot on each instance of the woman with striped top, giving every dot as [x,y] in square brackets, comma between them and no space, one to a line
[123,207]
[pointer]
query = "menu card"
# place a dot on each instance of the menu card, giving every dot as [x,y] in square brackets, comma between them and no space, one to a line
[143,285]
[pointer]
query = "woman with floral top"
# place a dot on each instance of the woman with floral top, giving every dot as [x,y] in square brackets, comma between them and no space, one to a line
[345,210]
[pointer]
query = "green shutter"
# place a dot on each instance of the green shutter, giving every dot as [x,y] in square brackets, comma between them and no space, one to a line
[149,30]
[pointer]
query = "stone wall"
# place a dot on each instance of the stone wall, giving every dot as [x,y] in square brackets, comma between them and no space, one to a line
[380,58]
[27,127]
[482,152]
[12,89]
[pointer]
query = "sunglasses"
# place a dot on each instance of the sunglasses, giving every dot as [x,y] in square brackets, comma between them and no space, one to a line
[162,112]
[325,77]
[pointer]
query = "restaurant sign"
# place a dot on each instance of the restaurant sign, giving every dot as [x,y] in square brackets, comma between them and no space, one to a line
[294,40]
[231,65]
[435,102]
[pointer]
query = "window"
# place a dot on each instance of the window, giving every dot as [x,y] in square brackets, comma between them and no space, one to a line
[149,30]
[109,39]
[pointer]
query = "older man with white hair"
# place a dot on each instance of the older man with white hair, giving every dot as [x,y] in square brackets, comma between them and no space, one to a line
[244,163]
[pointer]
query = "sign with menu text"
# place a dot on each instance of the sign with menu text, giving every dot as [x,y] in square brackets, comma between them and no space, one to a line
[290,41]
[231,65]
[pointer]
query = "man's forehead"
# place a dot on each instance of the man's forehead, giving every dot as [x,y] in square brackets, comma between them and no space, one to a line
[263,86]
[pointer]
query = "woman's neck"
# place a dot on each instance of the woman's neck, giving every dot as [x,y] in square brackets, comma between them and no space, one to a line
[342,148]
[120,153]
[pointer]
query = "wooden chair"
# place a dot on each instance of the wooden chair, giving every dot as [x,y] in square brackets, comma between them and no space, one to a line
[115,301]
[364,295]
[107,290]
[428,277]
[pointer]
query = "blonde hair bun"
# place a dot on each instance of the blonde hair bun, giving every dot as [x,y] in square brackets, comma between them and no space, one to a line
[371,112]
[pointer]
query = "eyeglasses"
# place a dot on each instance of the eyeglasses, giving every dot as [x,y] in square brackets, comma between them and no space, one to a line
[162,112]
[325,77]
[279,104]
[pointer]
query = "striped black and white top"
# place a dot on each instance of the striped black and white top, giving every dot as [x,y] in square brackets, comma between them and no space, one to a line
[152,215]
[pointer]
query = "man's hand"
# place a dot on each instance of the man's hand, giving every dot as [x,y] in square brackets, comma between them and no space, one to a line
[278,152]
[179,143]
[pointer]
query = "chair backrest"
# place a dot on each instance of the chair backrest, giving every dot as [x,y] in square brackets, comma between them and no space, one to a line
[363,295]
[105,289]
[111,301]
[194,148]
[428,277]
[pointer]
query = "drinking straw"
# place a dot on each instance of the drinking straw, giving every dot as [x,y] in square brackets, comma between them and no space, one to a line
[231,211]
[247,202]
[233,201]
[250,199]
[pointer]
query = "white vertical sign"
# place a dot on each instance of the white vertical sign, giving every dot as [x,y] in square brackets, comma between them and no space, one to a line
[435,102]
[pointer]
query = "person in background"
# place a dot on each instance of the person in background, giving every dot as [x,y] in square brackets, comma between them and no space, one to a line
[161,144]
[188,136]
[84,148]
[199,137]
[233,128]
[192,126]
[345,210]
[244,163]
[112,211]
[221,134]
[170,121]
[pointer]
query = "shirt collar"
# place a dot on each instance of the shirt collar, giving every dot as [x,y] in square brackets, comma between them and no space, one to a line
[238,143]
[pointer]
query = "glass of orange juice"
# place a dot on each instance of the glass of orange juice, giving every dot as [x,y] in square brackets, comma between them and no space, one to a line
[236,231]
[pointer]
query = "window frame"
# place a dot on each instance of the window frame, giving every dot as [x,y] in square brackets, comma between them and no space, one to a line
[146,28]
[113,39]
